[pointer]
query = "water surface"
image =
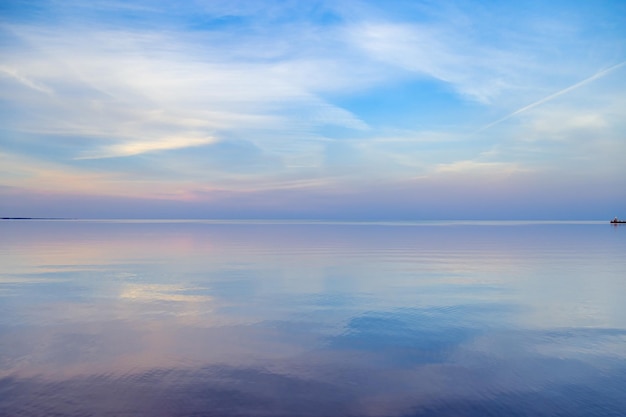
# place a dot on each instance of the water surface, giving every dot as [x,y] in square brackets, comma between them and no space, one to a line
[192,318]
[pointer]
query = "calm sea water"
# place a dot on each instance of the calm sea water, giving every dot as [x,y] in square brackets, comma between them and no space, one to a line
[104,318]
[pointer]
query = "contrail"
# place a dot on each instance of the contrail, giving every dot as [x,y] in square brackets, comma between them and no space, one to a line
[554,95]
[13,73]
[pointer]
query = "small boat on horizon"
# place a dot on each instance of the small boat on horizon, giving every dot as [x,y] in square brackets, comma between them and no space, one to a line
[616,220]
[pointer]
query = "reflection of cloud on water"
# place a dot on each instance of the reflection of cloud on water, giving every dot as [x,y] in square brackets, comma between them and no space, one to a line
[125,275]
[417,335]
[458,360]
[163,292]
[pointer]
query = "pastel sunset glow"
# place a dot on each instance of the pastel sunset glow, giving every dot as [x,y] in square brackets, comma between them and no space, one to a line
[399,110]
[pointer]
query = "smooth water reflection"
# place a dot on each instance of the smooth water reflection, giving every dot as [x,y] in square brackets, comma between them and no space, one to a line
[233,319]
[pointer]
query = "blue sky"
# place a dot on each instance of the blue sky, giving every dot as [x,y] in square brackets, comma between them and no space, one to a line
[313,109]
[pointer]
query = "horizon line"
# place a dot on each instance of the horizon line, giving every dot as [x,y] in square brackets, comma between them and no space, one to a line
[298,221]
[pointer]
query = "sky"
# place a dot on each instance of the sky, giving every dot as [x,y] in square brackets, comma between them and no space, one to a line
[342,109]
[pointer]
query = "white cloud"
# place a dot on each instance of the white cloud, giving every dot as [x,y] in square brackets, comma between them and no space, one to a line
[494,170]
[478,72]
[136,148]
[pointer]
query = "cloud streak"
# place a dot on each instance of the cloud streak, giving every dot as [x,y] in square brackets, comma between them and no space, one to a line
[137,148]
[552,96]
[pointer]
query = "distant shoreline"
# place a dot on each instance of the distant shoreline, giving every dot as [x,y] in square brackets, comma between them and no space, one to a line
[36,218]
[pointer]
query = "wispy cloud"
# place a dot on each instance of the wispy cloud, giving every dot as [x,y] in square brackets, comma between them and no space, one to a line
[136,148]
[125,87]
[442,52]
[495,170]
